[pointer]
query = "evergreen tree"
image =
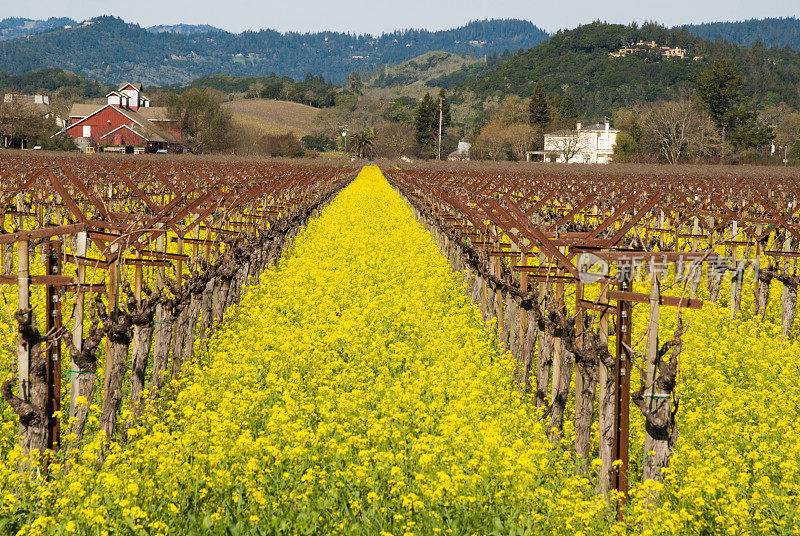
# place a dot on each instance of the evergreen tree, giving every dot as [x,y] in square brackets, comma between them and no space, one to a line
[426,122]
[539,111]
[567,108]
[720,88]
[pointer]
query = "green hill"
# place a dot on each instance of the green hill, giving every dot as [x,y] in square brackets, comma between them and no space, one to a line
[422,69]
[778,32]
[579,61]
[111,50]
[52,81]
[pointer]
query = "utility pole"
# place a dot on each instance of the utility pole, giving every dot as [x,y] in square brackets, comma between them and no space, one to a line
[439,150]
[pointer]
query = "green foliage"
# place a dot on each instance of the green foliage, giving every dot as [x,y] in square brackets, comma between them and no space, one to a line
[354,83]
[426,122]
[318,142]
[400,110]
[579,60]
[539,111]
[52,81]
[364,143]
[794,154]
[111,50]
[567,108]
[469,72]
[343,100]
[313,90]
[16,27]
[425,118]
[779,32]
[206,127]
[426,69]
[62,142]
[719,86]
[626,145]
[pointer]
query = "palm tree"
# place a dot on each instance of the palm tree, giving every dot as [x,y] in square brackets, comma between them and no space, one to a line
[364,143]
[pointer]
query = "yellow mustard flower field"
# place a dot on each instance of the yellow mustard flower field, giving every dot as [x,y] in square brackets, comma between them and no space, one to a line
[356,390]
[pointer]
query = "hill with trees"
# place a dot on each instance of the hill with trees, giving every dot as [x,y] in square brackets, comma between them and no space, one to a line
[311,90]
[110,50]
[185,29]
[579,62]
[779,32]
[16,27]
[52,81]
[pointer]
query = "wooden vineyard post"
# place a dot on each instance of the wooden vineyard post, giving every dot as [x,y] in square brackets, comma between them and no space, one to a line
[622,390]
[113,302]
[584,410]
[179,269]
[606,420]
[788,294]
[650,394]
[23,293]
[53,323]
[137,279]
[77,329]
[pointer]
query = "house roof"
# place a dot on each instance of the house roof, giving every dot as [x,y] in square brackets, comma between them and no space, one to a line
[83,110]
[137,87]
[585,128]
[135,130]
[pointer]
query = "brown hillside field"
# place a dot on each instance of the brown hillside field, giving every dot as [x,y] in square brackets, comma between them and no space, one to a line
[268,116]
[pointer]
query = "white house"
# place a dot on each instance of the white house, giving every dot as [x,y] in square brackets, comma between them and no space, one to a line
[592,144]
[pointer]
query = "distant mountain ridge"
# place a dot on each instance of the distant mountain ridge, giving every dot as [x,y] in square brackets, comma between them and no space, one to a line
[778,32]
[16,27]
[184,29]
[108,49]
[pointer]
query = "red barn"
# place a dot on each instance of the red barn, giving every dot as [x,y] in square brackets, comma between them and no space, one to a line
[126,120]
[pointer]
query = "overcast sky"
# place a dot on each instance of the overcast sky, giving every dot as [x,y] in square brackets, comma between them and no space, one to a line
[375,17]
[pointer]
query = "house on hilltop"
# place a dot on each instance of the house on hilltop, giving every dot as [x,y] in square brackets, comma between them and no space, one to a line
[125,122]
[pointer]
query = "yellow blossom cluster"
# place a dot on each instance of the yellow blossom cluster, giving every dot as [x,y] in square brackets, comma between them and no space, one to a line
[355,390]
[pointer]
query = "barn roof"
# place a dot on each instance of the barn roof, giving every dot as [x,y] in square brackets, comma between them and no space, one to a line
[153,113]
[145,126]
[137,87]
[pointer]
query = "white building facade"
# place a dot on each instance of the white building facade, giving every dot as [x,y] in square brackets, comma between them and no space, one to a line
[592,144]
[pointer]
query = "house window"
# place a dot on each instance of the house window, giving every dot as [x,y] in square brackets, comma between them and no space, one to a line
[87,131]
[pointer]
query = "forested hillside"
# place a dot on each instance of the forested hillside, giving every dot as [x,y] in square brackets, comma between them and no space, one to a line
[52,81]
[312,90]
[578,61]
[111,50]
[772,32]
[16,27]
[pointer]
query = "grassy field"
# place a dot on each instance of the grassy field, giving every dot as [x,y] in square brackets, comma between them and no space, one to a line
[268,116]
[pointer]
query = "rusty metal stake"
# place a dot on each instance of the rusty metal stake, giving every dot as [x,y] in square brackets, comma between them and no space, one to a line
[622,392]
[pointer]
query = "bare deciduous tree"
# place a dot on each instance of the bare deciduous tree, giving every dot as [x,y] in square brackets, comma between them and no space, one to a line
[568,144]
[680,129]
[394,140]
